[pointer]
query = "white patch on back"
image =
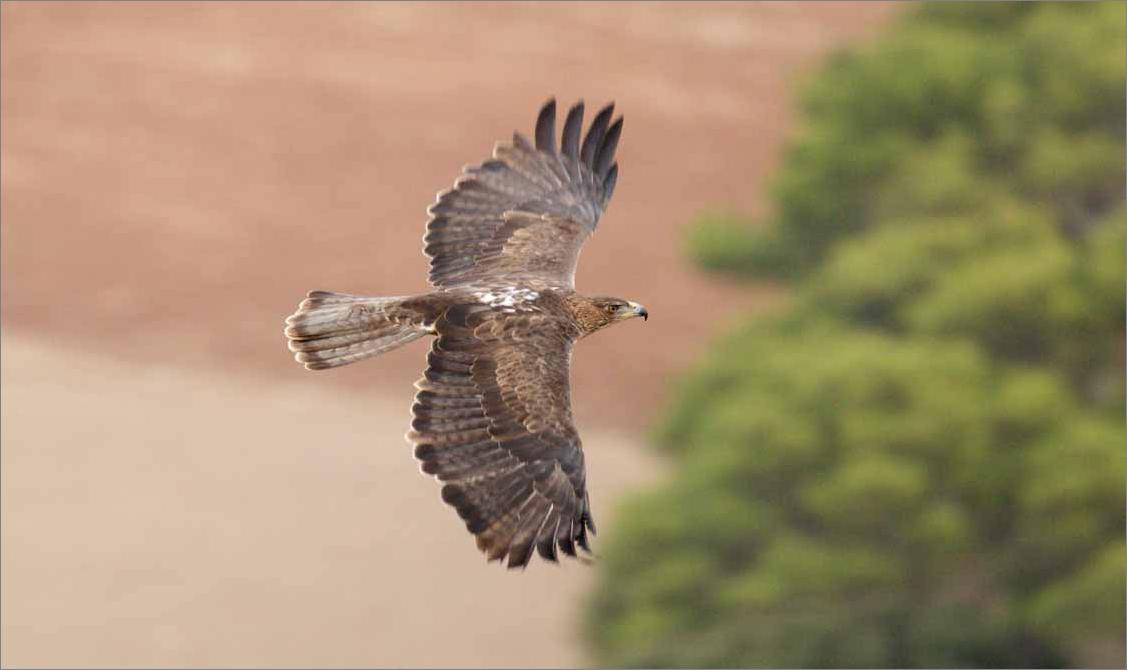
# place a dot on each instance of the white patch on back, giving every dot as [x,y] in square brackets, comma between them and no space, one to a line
[510,299]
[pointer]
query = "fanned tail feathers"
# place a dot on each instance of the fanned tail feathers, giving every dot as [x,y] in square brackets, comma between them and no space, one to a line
[333,329]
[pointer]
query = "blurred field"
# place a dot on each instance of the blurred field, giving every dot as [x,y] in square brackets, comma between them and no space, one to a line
[177,176]
[184,519]
[176,490]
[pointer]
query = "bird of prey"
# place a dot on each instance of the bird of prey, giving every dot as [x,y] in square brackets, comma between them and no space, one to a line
[492,416]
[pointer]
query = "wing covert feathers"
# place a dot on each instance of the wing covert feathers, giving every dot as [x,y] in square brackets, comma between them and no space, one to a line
[492,422]
[470,239]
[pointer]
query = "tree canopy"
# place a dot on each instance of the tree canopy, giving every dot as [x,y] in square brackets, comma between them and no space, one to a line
[921,461]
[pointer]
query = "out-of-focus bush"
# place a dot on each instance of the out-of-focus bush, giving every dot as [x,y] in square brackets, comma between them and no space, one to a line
[922,462]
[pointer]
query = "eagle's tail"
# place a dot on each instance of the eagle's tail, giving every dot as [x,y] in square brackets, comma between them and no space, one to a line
[333,329]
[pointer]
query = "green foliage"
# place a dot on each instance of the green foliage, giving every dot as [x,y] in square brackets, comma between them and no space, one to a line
[922,462]
[719,242]
[1028,98]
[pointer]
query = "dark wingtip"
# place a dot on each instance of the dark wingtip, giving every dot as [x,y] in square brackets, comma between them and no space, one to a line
[546,127]
[573,127]
[519,557]
[609,182]
[604,157]
[567,547]
[547,549]
[581,539]
[452,494]
[595,135]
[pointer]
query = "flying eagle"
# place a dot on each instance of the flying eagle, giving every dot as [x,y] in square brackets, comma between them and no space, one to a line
[492,416]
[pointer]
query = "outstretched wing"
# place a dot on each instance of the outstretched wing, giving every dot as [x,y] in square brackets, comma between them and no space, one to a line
[492,420]
[522,216]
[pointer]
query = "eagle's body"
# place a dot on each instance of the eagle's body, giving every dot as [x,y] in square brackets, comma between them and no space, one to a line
[492,416]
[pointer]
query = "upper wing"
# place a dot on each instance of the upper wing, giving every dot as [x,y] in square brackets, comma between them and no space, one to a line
[524,214]
[492,419]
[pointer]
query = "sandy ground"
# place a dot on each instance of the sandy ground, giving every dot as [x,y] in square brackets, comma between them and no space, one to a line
[176,491]
[155,518]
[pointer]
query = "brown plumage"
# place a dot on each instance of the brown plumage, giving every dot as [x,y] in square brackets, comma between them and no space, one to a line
[492,416]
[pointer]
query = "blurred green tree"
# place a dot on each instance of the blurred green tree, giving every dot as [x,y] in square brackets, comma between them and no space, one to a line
[921,463]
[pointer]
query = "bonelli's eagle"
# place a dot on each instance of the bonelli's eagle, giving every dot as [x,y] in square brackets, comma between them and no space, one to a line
[492,416]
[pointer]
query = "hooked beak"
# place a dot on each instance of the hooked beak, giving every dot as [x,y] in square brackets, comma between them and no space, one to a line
[640,311]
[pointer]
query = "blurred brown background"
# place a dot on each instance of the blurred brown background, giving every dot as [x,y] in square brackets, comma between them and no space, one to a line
[176,490]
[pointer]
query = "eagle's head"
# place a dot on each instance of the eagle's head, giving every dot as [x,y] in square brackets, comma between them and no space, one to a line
[598,313]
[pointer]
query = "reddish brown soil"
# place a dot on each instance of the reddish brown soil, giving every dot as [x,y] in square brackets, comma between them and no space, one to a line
[176,176]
